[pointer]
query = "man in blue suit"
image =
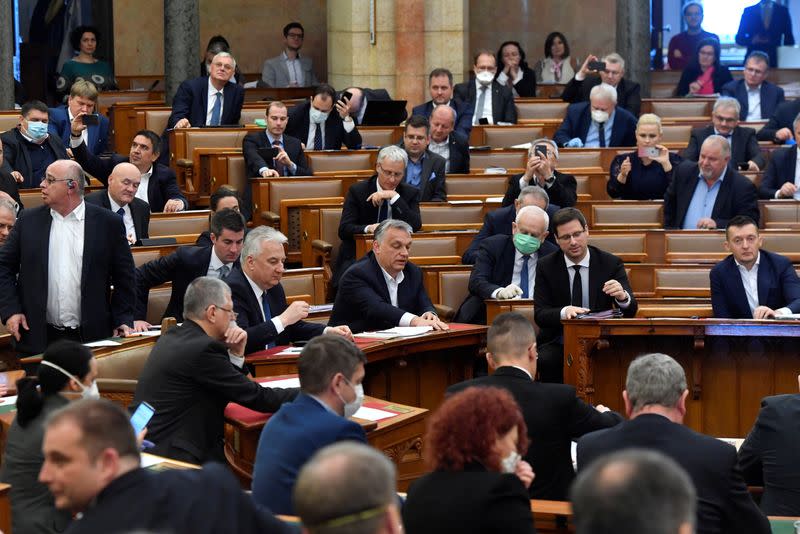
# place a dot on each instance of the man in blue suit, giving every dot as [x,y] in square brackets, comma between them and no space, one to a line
[331,372]
[597,123]
[781,179]
[758,98]
[440,82]
[82,101]
[765,26]
[752,283]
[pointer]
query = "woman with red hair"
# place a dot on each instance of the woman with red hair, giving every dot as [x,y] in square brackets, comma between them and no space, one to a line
[479,482]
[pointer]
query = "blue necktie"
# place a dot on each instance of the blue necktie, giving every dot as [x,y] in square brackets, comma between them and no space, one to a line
[267,314]
[383,211]
[523,277]
[215,111]
[601,132]
[121,212]
[318,137]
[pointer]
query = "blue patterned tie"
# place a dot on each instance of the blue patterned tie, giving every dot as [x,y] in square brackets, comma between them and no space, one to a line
[318,137]
[267,314]
[215,111]
[523,277]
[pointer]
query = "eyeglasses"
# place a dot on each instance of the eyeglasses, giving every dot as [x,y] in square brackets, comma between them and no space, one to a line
[726,120]
[229,310]
[295,35]
[51,181]
[393,174]
[566,238]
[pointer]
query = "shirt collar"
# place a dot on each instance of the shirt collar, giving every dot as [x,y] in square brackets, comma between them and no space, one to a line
[114,206]
[272,139]
[285,56]
[30,139]
[583,263]
[442,144]
[213,90]
[386,276]
[215,263]
[754,89]
[721,176]
[758,260]
[149,173]
[322,402]
[257,290]
[79,213]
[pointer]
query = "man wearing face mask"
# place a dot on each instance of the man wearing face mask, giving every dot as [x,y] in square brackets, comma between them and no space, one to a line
[28,149]
[597,123]
[331,372]
[321,127]
[490,100]
[505,265]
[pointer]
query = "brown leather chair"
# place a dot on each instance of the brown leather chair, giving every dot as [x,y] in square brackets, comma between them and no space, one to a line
[509,136]
[436,216]
[629,247]
[553,110]
[676,133]
[696,109]
[568,159]
[249,115]
[479,160]
[339,161]
[694,247]
[237,174]
[682,282]
[453,290]
[305,284]
[140,257]
[185,227]
[782,214]
[475,186]
[31,198]
[787,244]
[379,136]
[157,301]
[433,250]
[118,373]
[620,216]
[155,120]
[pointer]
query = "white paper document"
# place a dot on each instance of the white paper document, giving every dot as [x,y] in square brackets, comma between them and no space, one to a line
[8,401]
[282,383]
[146,460]
[372,414]
[103,343]
[407,331]
[290,351]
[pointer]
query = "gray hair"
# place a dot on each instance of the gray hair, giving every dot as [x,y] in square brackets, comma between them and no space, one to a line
[533,210]
[642,489]
[796,120]
[203,292]
[393,153]
[615,58]
[256,237]
[345,488]
[724,144]
[386,225]
[224,54]
[604,90]
[534,191]
[10,205]
[543,141]
[727,102]
[655,379]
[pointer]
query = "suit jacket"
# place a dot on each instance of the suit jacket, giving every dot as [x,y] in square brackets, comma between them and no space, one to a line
[555,416]
[744,145]
[161,187]
[779,31]
[189,380]
[201,501]
[107,261]
[60,125]
[432,190]
[459,153]
[723,503]
[140,212]
[191,102]
[719,78]
[778,286]
[289,439]
[736,196]
[472,501]
[526,86]
[563,192]
[579,119]
[629,93]
[16,157]
[781,169]
[768,456]
[363,301]
[553,290]
[9,185]
[255,140]
[503,107]
[782,118]
[335,134]
[771,96]
[260,332]
[275,73]
[464,112]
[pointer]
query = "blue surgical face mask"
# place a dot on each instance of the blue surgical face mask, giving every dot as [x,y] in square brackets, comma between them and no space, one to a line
[37,130]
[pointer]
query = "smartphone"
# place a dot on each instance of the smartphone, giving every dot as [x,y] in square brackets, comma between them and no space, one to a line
[90,120]
[597,65]
[346,95]
[540,151]
[649,152]
[268,153]
[141,417]
[743,166]
[483,121]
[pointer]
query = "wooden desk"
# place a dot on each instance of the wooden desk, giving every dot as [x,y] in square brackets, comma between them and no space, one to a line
[730,365]
[5,509]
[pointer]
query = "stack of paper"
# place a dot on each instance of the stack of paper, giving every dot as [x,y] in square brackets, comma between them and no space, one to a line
[397,331]
[282,383]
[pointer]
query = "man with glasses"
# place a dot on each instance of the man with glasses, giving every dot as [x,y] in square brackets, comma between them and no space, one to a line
[189,379]
[289,69]
[120,197]
[580,87]
[540,170]
[758,98]
[744,148]
[579,279]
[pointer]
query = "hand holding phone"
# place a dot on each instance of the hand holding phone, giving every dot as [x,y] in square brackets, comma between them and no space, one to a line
[649,152]
[268,153]
[597,66]
[90,119]
[541,151]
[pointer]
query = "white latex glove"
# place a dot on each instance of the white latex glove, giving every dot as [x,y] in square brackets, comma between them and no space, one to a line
[509,292]
[575,142]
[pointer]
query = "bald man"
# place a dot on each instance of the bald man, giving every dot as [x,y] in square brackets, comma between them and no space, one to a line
[120,197]
[8,216]
[451,145]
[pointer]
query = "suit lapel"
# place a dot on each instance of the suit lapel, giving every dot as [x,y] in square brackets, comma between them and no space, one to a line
[741,96]
[497,109]
[227,103]
[384,290]
[425,175]
[153,191]
[507,262]
[89,237]
[737,289]
[765,278]
[723,196]
[585,122]
[26,158]
[46,221]
[203,111]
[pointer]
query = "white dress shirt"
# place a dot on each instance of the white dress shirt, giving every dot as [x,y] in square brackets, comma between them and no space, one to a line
[295,68]
[442,149]
[391,201]
[312,129]
[65,267]
[84,138]
[584,263]
[212,97]
[515,275]
[215,264]
[487,103]
[258,292]
[393,285]
[145,183]
[753,103]
[750,283]
[127,218]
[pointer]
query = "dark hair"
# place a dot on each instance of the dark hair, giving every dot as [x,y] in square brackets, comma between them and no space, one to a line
[322,358]
[435,73]
[499,59]
[738,221]
[291,25]
[510,334]
[227,219]
[153,137]
[548,43]
[695,62]
[687,5]
[758,55]
[418,121]
[70,356]
[223,191]
[31,105]
[565,215]
[218,43]
[76,35]
[483,52]
[324,89]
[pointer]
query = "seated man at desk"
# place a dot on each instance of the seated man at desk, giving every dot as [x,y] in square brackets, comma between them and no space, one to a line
[383,289]
[505,265]
[540,170]
[782,179]
[290,159]
[323,123]
[446,142]
[492,103]
[752,283]
[441,88]
[578,279]
[331,371]
[425,170]
[259,300]
[120,197]
[597,123]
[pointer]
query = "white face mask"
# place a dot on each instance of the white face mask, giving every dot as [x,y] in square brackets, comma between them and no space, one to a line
[509,463]
[599,116]
[351,408]
[317,116]
[485,77]
[87,392]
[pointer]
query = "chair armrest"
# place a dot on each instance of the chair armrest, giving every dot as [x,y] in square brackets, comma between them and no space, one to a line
[322,247]
[271,218]
[185,163]
[445,313]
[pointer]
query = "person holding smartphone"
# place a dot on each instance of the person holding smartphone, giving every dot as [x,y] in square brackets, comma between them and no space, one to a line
[645,173]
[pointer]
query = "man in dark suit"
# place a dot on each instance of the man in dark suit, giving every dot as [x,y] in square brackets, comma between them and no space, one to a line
[225,197]
[316,124]
[383,289]
[655,401]
[779,126]
[781,179]
[765,26]
[189,378]
[578,279]
[440,83]
[290,160]
[505,265]
[768,456]
[707,194]
[449,144]
[580,87]
[562,189]
[259,300]
[725,123]
[371,201]
[755,88]
[82,101]
[361,98]
[489,99]
[331,373]
[752,283]
[188,263]
[28,149]
[597,123]
[158,186]
[120,197]
[103,476]
[553,413]
[425,170]
[58,265]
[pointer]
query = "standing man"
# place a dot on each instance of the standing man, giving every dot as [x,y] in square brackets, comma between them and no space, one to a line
[289,69]
[211,100]
[120,197]
[765,26]
[59,264]
[597,123]
[782,179]
[492,103]
[82,101]
[28,149]
[683,46]
[758,98]
[315,124]
[440,84]
[425,170]
[579,89]
[562,189]
[451,145]
[290,160]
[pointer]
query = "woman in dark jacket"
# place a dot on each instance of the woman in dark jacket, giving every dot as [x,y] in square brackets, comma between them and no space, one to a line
[513,71]
[705,75]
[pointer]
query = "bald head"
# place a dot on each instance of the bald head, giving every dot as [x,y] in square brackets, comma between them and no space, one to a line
[123,183]
[62,186]
[443,119]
